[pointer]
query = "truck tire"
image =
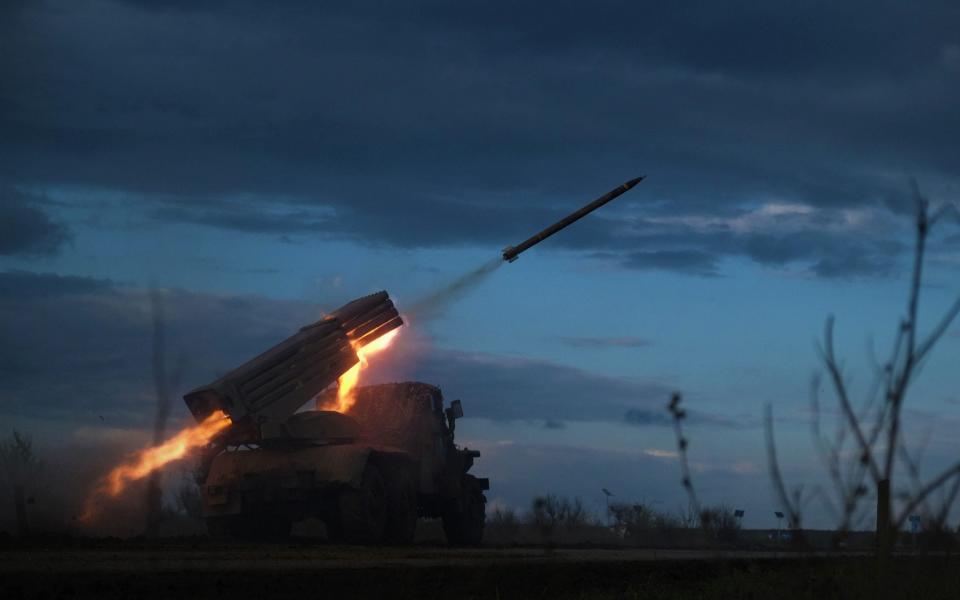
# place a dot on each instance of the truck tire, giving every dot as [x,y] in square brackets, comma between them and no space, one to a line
[249,527]
[464,520]
[334,529]
[222,527]
[363,511]
[401,507]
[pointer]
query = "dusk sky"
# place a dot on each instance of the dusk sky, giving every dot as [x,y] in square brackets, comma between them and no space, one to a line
[261,163]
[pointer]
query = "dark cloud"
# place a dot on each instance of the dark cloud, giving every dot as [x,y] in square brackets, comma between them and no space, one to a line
[250,219]
[78,348]
[819,37]
[393,224]
[694,262]
[605,342]
[835,256]
[661,418]
[817,240]
[844,267]
[26,229]
[506,389]
[477,123]
[19,288]
[636,416]
[75,348]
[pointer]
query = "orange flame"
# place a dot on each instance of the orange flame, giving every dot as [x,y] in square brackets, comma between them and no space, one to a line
[347,382]
[149,460]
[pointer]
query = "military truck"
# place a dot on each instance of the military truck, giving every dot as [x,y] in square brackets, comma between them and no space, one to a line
[368,475]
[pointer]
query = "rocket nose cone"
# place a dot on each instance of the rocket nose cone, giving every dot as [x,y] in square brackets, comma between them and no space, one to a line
[634,182]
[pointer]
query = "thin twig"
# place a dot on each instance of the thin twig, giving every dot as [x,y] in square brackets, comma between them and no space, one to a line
[841,390]
[920,496]
[792,507]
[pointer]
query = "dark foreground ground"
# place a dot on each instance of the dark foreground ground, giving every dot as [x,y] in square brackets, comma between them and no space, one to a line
[199,568]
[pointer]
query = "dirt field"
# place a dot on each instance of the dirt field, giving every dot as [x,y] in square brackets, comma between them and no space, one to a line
[198,568]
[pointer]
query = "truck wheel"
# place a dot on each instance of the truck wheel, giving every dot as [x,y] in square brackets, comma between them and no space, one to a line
[334,529]
[249,527]
[223,527]
[363,512]
[401,508]
[464,520]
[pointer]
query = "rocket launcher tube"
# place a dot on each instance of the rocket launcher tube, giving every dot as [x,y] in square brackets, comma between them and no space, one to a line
[511,253]
[267,389]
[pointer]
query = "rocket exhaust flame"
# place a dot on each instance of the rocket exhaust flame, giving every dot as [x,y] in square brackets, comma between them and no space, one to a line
[149,460]
[347,382]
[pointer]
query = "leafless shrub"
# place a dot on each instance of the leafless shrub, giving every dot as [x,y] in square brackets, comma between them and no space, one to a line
[640,524]
[552,513]
[503,523]
[687,517]
[633,522]
[556,511]
[719,523]
[19,464]
[936,536]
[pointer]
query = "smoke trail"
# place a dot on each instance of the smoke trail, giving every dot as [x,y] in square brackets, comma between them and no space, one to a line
[437,301]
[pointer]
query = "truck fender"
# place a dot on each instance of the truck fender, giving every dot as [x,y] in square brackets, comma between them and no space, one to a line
[339,464]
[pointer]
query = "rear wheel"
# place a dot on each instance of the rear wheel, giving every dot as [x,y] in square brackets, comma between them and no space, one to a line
[363,511]
[464,520]
[249,527]
[222,527]
[334,529]
[401,507]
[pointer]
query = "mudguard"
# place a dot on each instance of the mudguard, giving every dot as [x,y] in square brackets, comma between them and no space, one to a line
[313,466]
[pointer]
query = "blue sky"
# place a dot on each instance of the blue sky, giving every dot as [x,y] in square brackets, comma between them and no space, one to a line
[262,165]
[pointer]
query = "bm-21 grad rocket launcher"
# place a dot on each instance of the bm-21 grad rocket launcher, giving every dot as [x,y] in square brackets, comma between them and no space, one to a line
[262,393]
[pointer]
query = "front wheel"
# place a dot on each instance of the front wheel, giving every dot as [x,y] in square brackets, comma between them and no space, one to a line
[402,508]
[464,520]
[363,511]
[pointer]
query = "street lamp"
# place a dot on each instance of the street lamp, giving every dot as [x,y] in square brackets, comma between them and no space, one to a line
[779,523]
[607,494]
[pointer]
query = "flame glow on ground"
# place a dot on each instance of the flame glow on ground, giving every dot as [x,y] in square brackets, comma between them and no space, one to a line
[149,460]
[347,382]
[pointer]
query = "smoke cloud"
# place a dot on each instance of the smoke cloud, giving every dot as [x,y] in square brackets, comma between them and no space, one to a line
[434,303]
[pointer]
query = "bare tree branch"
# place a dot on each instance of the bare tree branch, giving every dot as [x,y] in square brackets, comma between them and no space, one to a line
[928,489]
[792,506]
[938,331]
[840,387]
[948,501]
[902,381]
[877,425]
